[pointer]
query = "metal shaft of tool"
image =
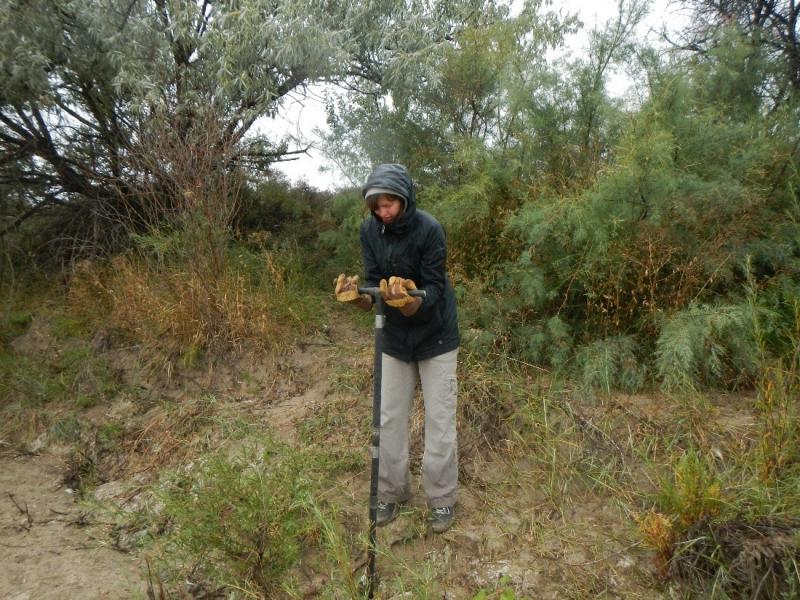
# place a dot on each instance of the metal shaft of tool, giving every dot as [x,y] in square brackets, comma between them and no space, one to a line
[377,300]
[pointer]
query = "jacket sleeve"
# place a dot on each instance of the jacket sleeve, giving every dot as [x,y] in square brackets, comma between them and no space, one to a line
[432,273]
[372,273]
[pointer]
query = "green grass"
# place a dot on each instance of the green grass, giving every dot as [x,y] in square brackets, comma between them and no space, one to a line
[501,591]
[109,433]
[31,382]
[65,326]
[13,324]
[354,380]
[64,373]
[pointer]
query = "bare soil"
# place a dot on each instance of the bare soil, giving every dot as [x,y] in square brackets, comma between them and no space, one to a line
[49,547]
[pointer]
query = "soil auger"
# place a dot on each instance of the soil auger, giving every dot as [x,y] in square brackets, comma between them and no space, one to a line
[370,581]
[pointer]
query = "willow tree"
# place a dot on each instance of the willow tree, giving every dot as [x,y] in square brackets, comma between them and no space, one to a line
[85,85]
[460,95]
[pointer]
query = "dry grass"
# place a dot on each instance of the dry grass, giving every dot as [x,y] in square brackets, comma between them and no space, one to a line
[748,559]
[184,313]
[183,288]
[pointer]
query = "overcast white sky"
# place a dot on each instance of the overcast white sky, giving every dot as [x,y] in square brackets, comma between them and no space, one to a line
[301,116]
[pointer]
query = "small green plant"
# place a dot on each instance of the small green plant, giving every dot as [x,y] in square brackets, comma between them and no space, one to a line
[693,492]
[13,324]
[244,520]
[67,326]
[67,429]
[502,591]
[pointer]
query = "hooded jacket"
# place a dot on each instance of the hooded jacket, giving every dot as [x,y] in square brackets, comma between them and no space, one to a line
[412,247]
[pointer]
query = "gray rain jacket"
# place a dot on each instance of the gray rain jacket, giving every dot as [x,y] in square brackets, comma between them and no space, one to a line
[412,247]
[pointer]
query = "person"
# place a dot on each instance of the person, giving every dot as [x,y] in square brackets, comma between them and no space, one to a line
[403,248]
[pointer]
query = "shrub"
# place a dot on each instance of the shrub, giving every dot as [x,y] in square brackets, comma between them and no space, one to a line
[245,520]
[779,442]
[707,345]
[154,299]
[693,492]
[611,363]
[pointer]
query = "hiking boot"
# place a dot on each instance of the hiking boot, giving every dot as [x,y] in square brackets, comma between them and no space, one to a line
[387,512]
[442,518]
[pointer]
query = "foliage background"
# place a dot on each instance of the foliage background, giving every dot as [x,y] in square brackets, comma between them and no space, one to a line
[604,245]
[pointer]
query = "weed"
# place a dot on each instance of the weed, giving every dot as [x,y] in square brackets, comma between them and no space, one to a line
[490,393]
[779,442]
[339,434]
[659,534]
[244,521]
[109,433]
[353,380]
[84,401]
[612,364]
[173,309]
[27,380]
[502,591]
[173,434]
[343,583]
[13,324]
[418,580]
[65,326]
[252,385]
[67,430]
[191,356]
[81,471]
[693,492]
[756,560]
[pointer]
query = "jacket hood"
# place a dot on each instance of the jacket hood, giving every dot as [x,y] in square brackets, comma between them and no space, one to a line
[396,178]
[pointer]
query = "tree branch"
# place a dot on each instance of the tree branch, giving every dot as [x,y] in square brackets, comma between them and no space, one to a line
[48,200]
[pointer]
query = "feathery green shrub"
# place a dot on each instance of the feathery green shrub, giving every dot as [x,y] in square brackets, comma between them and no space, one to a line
[244,520]
[707,345]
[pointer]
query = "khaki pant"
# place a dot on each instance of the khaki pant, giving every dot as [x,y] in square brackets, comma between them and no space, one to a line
[440,460]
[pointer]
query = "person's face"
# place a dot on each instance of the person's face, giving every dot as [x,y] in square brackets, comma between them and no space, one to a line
[388,209]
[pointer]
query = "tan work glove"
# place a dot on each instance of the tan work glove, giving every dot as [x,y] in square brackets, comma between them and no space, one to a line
[395,292]
[346,288]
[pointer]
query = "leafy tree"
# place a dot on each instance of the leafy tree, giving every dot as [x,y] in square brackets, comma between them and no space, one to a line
[86,84]
[463,96]
[701,183]
[769,24]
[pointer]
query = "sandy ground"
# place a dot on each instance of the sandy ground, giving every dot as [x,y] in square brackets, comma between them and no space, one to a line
[46,548]
[50,548]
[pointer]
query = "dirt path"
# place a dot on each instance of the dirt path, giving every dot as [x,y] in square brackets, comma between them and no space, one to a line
[46,550]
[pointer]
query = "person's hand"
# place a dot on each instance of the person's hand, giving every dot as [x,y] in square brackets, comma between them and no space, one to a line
[346,288]
[395,291]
